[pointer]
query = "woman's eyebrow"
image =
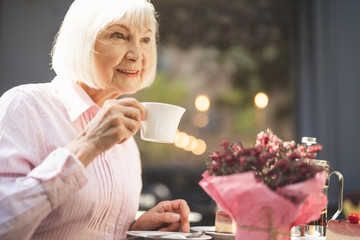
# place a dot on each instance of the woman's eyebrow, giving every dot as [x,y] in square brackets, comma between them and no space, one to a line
[147,30]
[118,25]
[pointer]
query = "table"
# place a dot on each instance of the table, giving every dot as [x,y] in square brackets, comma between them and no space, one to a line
[308,238]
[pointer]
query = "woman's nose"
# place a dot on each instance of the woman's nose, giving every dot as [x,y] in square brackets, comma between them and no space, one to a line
[134,52]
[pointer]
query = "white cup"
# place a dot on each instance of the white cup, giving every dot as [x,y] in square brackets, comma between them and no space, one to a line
[162,121]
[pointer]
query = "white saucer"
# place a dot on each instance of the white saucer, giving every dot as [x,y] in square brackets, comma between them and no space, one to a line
[210,230]
[164,235]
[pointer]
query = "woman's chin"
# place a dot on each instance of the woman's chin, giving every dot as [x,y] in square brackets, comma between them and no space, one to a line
[131,88]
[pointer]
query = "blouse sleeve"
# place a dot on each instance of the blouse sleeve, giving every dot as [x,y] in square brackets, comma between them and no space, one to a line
[31,185]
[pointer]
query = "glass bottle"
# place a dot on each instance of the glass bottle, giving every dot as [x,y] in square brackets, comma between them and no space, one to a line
[320,224]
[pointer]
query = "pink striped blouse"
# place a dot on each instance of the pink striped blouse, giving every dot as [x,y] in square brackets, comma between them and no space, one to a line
[45,191]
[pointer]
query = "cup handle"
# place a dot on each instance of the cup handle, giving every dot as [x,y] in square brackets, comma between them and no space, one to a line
[340,194]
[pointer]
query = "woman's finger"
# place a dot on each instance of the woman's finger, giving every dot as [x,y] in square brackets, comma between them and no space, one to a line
[168,217]
[131,112]
[181,207]
[132,102]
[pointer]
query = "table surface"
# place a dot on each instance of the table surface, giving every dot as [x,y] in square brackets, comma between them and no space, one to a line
[292,238]
[308,238]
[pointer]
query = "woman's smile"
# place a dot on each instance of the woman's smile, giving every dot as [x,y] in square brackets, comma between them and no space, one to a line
[129,73]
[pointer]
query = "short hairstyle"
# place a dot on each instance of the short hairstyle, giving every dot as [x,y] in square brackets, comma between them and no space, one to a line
[73,53]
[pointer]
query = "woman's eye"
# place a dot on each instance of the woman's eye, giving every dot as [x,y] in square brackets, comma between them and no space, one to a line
[146,40]
[118,35]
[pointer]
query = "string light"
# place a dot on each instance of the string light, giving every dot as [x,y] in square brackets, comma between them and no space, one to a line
[201,120]
[202,103]
[198,147]
[190,143]
[261,100]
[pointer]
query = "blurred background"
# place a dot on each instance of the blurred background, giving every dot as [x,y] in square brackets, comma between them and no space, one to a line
[238,67]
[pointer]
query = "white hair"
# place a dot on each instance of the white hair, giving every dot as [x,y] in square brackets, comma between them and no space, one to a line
[73,53]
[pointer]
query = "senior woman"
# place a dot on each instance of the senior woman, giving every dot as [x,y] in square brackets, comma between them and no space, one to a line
[69,166]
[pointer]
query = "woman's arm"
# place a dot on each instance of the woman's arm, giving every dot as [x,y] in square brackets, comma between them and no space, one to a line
[25,201]
[32,182]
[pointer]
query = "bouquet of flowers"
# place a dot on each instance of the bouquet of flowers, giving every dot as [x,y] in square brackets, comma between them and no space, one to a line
[267,188]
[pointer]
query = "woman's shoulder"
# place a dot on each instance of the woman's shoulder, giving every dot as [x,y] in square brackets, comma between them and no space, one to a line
[26,91]
[29,93]
[26,97]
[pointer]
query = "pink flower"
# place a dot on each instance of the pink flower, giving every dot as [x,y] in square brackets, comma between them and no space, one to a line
[275,162]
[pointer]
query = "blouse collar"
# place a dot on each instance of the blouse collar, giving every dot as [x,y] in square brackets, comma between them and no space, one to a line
[74,97]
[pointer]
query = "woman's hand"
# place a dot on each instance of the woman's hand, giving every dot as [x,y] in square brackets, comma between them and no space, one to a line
[166,216]
[117,121]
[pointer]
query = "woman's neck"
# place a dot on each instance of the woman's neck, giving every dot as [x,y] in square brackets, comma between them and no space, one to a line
[99,96]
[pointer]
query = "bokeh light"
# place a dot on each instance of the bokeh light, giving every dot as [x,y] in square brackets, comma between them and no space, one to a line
[181,139]
[190,143]
[188,146]
[261,100]
[198,147]
[201,120]
[202,103]
[260,118]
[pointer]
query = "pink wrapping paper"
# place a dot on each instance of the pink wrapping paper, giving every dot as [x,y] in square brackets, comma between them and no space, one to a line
[252,204]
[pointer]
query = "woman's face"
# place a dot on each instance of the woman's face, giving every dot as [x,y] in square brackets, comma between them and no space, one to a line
[124,57]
